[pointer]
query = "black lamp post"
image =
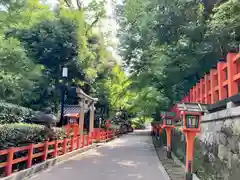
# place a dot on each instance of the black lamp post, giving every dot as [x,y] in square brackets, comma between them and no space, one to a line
[63,92]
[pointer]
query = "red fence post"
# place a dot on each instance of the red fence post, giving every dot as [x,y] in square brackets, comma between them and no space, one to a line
[98,135]
[222,94]
[197,92]
[231,70]
[45,151]
[55,152]
[87,136]
[72,144]
[64,145]
[201,90]
[78,141]
[212,85]
[205,89]
[8,167]
[208,90]
[194,94]
[30,155]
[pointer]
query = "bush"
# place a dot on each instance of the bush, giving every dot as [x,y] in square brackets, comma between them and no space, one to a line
[20,134]
[138,122]
[138,126]
[11,113]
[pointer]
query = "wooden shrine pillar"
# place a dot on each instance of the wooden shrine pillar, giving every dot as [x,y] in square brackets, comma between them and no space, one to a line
[81,120]
[91,125]
[85,102]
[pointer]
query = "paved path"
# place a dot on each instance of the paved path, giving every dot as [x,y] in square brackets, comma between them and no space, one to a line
[131,157]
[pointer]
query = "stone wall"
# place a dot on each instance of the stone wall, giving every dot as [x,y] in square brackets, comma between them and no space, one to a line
[220,141]
[217,147]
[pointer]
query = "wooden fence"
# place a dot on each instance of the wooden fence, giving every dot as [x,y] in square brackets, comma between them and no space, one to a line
[47,150]
[221,82]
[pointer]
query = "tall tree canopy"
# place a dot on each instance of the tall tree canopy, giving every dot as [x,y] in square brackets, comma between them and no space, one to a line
[169,45]
[37,40]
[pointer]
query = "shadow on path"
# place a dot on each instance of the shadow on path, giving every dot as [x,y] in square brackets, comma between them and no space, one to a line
[131,157]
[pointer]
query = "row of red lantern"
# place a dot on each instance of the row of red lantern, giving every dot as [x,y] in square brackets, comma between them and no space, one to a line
[190,127]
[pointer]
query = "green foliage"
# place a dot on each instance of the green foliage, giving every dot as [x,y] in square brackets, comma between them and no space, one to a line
[17,77]
[22,13]
[223,27]
[53,44]
[11,113]
[169,45]
[18,134]
[36,42]
[140,122]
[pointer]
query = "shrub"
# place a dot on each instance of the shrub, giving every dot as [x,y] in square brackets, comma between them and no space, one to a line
[20,134]
[138,122]
[136,125]
[11,113]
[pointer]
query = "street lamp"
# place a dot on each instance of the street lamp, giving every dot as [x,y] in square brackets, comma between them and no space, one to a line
[63,92]
[64,72]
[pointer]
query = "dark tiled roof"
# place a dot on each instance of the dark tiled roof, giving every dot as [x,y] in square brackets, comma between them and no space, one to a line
[73,109]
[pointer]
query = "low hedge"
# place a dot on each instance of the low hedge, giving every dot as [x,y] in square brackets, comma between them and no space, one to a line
[11,113]
[20,134]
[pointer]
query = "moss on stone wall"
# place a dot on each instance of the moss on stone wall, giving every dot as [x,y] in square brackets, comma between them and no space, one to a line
[215,161]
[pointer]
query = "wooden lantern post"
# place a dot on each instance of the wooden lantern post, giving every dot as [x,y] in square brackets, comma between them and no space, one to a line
[191,126]
[160,130]
[168,126]
[191,116]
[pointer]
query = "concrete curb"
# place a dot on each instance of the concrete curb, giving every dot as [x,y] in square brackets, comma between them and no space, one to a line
[183,166]
[46,164]
[161,167]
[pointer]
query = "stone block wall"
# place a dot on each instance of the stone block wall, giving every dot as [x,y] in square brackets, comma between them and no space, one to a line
[220,137]
[217,147]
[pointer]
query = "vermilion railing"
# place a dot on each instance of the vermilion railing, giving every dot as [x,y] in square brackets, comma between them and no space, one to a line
[43,150]
[220,83]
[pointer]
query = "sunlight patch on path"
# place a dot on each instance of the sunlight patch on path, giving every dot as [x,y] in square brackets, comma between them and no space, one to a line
[128,163]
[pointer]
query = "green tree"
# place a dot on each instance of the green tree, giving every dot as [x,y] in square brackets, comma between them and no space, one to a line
[169,45]
[18,73]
